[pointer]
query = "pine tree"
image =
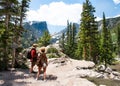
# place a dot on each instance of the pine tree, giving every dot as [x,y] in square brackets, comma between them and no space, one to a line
[68,44]
[106,44]
[118,40]
[62,42]
[73,44]
[24,6]
[6,12]
[45,39]
[94,49]
[69,40]
[88,33]
[9,18]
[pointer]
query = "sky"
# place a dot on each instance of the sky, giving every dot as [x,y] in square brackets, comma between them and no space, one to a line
[57,12]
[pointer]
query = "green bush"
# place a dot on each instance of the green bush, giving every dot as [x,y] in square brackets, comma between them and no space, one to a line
[52,50]
[53,55]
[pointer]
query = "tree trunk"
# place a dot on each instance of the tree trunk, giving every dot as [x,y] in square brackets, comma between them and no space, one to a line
[84,53]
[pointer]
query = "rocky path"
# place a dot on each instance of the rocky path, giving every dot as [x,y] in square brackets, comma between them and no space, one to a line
[60,72]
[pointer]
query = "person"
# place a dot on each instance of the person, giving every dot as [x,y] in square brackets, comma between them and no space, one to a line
[42,62]
[33,57]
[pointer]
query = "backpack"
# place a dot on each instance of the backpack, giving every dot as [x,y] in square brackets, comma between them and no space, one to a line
[29,53]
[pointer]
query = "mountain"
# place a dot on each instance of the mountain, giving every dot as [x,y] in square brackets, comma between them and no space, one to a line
[36,28]
[111,24]
[57,36]
[33,31]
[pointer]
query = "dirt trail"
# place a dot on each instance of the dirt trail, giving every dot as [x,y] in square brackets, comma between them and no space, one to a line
[58,74]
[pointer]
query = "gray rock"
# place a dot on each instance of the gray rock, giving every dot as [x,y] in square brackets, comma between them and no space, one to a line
[101,68]
[108,70]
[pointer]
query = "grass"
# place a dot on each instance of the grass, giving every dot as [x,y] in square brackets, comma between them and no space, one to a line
[116,67]
[107,82]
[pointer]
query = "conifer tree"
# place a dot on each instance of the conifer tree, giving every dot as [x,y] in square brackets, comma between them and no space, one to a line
[9,18]
[73,44]
[7,10]
[88,33]
[67,39]
[106,44]
[69,43]
[62,42]
[45,39]
[118,40]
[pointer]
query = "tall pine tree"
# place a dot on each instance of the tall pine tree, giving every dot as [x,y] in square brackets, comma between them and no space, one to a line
[7,10]
[10,22]
[106,44]
[62,42]
[88,33]
[69,41]
[118,40]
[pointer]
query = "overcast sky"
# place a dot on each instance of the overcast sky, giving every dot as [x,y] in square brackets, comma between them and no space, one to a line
[57,12]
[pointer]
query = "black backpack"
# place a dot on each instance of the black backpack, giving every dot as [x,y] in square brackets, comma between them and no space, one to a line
[29,53]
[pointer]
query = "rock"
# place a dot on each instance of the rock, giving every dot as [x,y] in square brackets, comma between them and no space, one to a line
[102,85]
[111,76]
[83,64]
[106,76]
[63,59]
[116,73]
[108,70]
[82,75]
[78,67]
[101,68]
[100,76]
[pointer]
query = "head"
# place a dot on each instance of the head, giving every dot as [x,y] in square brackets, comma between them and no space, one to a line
[34,45]
[42,49]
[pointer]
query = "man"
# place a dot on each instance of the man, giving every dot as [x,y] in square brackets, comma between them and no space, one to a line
[33,57]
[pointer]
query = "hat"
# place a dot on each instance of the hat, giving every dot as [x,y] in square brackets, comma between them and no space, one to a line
[34,45]
[42,49]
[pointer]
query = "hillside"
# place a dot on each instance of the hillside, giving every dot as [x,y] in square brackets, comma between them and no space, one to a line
[111,22]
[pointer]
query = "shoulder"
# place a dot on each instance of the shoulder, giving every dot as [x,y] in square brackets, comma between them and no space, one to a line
[33,49]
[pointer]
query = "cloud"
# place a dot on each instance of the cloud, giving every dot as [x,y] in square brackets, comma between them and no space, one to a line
[56,13]
[117,15]
[116,1]
[98,19]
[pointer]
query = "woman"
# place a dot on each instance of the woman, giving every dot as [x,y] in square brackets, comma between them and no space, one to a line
[42,63]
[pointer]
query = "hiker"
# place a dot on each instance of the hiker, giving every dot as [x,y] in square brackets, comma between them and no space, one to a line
[33,57]
[42,62]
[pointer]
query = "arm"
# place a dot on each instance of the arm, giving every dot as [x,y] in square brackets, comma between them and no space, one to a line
[46,59]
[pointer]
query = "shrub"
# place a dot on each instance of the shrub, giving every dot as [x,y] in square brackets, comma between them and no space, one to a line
[52,56]
[52,50]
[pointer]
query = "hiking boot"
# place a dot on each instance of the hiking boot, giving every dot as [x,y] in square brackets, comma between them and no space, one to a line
[33,72]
